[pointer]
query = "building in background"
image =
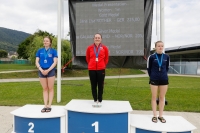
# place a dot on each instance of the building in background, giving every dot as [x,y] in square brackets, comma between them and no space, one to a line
[184,59]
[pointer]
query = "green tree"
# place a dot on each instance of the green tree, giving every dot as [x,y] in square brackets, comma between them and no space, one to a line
[3,54]
[66,53]
[23,47]
[36,44]
[29,47]
[13,57]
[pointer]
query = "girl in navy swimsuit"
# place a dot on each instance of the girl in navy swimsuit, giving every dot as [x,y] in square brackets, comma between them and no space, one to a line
[157,67]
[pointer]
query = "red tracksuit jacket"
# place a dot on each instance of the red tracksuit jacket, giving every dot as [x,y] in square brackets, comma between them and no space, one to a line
[103,57]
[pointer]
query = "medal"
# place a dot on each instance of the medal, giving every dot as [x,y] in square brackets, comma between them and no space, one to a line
[159,62]
[97,52]
[46,54]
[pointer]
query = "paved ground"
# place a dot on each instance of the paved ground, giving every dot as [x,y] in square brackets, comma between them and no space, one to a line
[86,78]
[18,71]
[6,119]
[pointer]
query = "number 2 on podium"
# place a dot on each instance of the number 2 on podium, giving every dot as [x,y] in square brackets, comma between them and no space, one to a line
[31,128]
[96,126]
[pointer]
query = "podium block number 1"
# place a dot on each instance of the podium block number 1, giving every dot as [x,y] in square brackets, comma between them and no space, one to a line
[31,127]
[96,126]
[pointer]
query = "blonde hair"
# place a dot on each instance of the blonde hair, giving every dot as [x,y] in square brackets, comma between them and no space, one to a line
[158,42]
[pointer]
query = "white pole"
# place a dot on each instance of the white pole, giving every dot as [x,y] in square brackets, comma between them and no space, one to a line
[59,52]
[157,20]
[62,19]
[162,22]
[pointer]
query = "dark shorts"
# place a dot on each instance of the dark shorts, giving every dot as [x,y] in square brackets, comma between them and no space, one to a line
[50,74]
[158,82]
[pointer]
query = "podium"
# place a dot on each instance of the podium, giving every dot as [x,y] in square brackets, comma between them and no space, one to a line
[111,117]
[29,119]
[79,116]
[174,124]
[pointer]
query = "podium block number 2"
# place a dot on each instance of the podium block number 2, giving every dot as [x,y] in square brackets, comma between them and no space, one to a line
[31,127]
[96,126]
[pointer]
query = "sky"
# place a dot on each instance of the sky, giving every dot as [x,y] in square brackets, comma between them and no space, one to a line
[182,19]
[182,23]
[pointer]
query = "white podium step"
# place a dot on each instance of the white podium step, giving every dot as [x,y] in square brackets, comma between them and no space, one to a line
[79,116]
[111,117]
[29,119]
[108,106]
[174,124]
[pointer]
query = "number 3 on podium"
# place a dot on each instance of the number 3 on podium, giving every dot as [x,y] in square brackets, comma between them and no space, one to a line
[96,126]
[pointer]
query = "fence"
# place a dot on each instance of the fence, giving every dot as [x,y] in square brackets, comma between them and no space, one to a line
[21,61]
[186,67]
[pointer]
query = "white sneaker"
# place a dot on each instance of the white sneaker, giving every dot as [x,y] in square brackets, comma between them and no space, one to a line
[99,104]
[95,104]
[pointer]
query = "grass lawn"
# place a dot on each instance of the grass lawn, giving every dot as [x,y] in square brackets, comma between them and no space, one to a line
[183,93]
[12,67]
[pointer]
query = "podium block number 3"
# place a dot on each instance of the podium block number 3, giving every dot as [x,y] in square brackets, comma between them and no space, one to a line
[31,127]
[96,126]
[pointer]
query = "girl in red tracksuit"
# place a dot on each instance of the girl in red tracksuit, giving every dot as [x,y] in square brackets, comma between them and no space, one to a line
[97,55]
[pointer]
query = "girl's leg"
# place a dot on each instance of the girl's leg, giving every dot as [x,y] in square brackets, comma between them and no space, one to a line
[163,91]
[154,90]
[51,89]
[93,82]
[43,82]
[101,77]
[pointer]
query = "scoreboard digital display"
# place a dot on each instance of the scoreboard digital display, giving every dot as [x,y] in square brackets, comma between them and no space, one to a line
[121,24]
